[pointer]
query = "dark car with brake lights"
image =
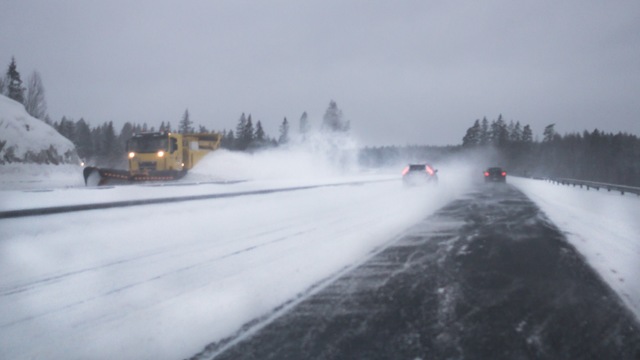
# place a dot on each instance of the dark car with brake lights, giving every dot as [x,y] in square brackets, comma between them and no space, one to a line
[495,174]
[419,174]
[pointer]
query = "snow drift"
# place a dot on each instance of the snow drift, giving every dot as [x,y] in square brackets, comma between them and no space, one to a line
[25,139]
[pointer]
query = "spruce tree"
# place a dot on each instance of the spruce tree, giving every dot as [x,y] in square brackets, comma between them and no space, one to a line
[185,124]
[485,135]
[284,132]
[527,134]
[83,141]
[304,125]
[15,90]
[472,137]
[333,119]
[259,135]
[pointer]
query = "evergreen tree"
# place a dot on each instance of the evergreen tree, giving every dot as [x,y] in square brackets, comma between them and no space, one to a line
[66,128]
[110,142]
[499,132]
[284,132]
[15,90]
[82,141]
[485,135]
[259,135]
[473,135]
[185,124]
[242,124]
[515,134]
[244,132]
[549,133]
[304,125]
[126,133]
[527,134]
[333,119]
[228,140]
[163,127]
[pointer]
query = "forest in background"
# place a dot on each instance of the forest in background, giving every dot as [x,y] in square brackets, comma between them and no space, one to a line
[590,155]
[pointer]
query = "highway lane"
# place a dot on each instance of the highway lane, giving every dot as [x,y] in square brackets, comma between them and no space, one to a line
[486,277]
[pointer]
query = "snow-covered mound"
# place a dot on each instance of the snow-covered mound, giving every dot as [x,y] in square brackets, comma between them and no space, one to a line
[25,139]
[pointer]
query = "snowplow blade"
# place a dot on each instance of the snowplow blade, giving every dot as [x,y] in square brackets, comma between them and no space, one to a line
[98,177]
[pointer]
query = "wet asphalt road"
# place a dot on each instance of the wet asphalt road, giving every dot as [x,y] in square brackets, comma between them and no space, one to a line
[487,277]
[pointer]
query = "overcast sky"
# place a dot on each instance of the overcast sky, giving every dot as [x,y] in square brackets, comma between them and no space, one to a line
[403,72]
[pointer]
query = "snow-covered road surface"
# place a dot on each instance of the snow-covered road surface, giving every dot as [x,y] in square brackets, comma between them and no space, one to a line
[162,281]
[486,277]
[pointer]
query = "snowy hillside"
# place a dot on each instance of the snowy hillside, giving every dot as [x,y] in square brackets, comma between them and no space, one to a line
[25,139]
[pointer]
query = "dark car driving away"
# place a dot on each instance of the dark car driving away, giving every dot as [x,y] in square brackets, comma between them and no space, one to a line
[495,174]
[418,174]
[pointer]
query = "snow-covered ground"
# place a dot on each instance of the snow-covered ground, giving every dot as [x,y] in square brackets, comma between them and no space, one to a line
[162,281]
[603,226]
[24,137]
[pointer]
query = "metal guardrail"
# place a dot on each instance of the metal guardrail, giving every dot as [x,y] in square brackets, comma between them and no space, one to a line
[597,185]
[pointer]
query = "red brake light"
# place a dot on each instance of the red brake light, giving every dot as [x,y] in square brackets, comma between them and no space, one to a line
[405,171]
[486,173]
[504,173]
[429,170]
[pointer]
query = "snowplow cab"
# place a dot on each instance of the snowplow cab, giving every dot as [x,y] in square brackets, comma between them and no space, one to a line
[162,151]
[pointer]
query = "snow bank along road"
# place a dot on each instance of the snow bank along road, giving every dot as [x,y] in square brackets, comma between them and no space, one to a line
[163,281]
[486,277]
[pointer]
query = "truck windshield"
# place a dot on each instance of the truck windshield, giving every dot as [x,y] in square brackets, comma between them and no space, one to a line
[148,144]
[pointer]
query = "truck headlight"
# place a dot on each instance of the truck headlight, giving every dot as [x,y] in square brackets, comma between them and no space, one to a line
[160,153]
[131,155]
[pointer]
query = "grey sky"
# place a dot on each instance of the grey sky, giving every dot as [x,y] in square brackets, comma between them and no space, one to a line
[403,72]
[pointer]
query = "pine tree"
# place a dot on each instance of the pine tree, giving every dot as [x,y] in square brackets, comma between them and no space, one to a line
[185,124]
[259,135]
[228,140]
[499,132]
[15,90]
[333,119]
[472,137]
[304,125]
[284,132]
[242,124]
[549,132]
[35,103]
[527,134]
[82,141]
[125,134]
[244,132]
[485,135]
[248,133]
[516,133]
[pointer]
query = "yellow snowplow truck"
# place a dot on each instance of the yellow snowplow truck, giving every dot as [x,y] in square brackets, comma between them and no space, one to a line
[157,156]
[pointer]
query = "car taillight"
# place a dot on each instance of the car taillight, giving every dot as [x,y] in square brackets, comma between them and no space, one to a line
[429,170]
[486,173]
[405,171]
[504,173]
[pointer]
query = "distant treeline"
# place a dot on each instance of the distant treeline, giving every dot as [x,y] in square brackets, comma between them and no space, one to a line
[593,156]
